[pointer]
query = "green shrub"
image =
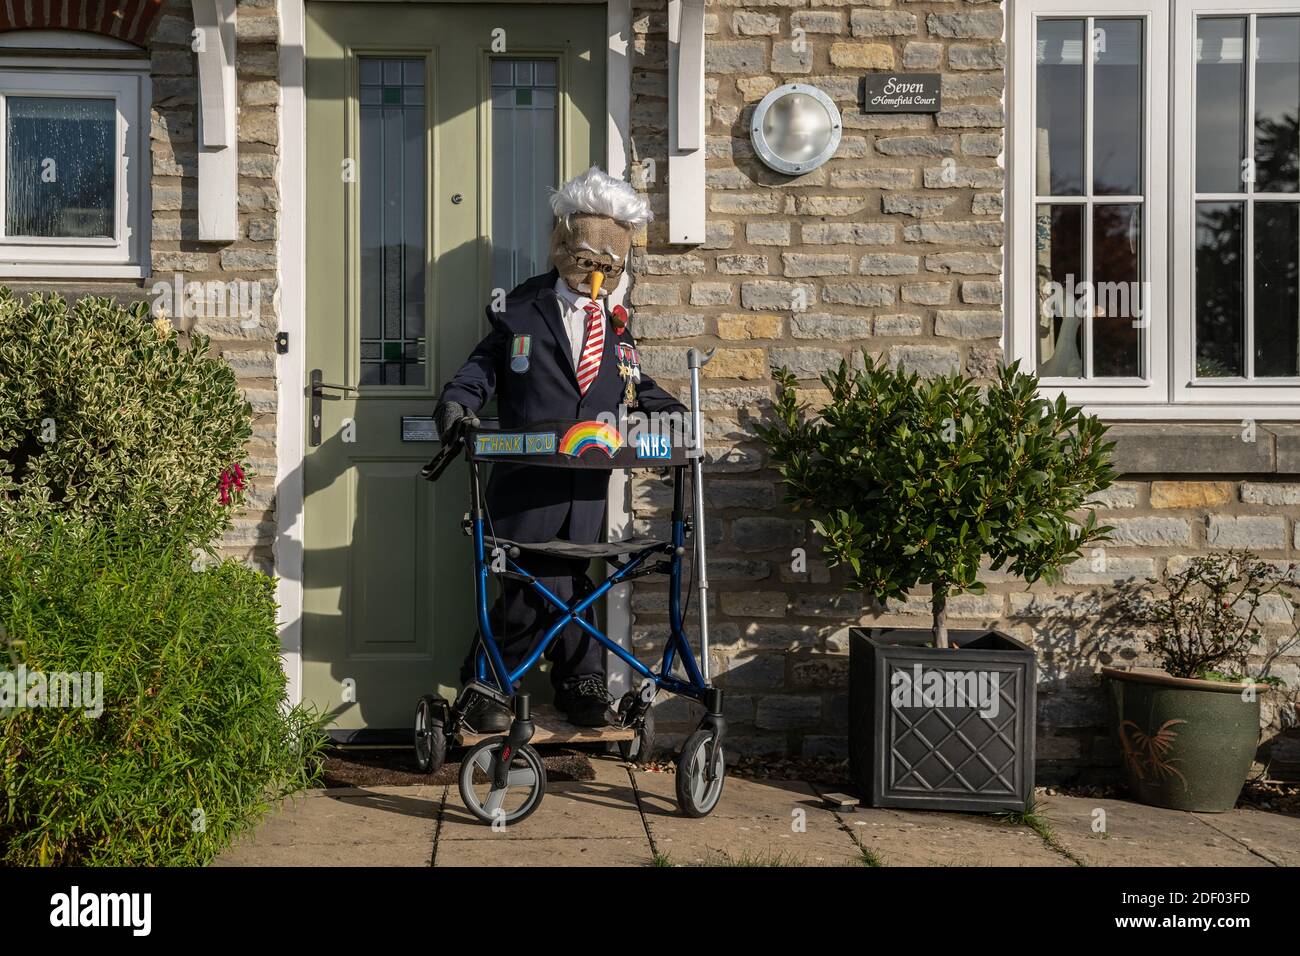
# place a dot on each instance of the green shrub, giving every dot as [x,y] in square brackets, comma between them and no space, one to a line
[103,410]
[1202,621]
[195,739]
[915,481]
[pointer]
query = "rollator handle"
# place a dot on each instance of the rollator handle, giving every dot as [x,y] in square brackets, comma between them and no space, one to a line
[697,359]
[450,449]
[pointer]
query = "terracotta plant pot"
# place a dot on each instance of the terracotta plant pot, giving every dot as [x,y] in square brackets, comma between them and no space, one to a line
[1186,744]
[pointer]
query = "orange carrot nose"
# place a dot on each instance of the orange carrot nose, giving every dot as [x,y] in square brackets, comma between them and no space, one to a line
[596,281]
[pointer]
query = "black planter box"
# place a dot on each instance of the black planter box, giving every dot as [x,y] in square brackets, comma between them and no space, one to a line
[974,751]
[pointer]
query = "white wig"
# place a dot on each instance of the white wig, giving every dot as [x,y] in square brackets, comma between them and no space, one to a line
[596,193]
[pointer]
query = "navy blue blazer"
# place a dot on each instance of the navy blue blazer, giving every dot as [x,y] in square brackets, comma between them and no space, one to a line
[527,502]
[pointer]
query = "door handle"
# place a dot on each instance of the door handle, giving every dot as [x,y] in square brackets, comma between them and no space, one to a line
[318,387]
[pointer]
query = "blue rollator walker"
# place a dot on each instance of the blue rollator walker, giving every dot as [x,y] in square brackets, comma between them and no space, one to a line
[502,778]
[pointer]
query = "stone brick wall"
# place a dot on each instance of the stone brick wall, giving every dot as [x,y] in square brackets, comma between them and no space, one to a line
[897,242]
[1160,522]
[175,248]
[897,246]
[248,347]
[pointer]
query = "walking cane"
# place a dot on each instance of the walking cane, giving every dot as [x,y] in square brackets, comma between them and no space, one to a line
[696,361]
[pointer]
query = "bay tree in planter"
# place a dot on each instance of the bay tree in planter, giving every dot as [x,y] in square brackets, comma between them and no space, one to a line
[916,482]
[1188,730]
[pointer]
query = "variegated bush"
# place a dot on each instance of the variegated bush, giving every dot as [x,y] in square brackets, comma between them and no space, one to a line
[102,408]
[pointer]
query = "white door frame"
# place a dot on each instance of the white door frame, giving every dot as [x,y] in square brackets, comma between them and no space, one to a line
[291,367]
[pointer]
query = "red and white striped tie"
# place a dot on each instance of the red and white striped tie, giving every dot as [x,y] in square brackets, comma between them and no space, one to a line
[589,363]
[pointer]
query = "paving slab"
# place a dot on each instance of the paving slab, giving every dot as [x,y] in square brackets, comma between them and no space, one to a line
[933,838]
[588,823]
[1273,836]
[1138,835]
[496,849]
[603,808]
[373,826]
[755,823]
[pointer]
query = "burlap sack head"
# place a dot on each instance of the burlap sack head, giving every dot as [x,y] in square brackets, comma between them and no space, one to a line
[596,216]
[582,244]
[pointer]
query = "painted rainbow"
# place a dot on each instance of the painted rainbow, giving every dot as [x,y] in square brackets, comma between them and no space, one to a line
[584,436]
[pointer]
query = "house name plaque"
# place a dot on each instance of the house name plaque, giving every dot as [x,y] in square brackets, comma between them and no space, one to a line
[900,93]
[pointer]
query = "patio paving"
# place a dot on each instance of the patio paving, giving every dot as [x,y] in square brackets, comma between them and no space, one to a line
[593,823]
[628,817]
[349,826]
[1138,835]
[921,838]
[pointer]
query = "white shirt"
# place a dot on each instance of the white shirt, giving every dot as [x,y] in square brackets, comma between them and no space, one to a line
[573,311]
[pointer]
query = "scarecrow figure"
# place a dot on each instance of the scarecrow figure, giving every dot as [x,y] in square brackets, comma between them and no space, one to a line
[561,348]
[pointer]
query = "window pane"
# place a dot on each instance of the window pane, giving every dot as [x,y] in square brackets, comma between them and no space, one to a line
[61,167]
[1277,105]
[1117,290]
[1277,289]
[525,168]
[1220,104]
[1219,287]
[1059,274]
[393,254]
[1117,108]
[1059,107]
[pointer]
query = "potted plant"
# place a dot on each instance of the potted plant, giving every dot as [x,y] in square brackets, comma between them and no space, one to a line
[1187,732]
[915,482]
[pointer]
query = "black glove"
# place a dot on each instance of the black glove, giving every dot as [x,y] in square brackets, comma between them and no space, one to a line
[448,417]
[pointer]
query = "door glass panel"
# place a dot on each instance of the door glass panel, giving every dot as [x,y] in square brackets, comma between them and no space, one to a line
[1220,285]
[525,167]
[1060,79]
[1277,105]
[1059,274]
[1117,108]
[393,255]
[1220,103]
[1117,295]
[1277,288]
[60,167]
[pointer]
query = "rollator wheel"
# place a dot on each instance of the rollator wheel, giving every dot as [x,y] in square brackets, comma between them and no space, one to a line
[524,789]
[430,733]
[640,747]
[696,794]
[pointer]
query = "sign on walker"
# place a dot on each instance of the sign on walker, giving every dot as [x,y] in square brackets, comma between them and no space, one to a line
[653,446]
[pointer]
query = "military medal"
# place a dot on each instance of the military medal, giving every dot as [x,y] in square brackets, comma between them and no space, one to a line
[519,349]
[629,386]
[630,370]
[627,356]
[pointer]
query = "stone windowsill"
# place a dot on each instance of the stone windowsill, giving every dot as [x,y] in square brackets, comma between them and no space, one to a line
[1191,448]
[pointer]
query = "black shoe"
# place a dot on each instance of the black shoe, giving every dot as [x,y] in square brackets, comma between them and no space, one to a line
[486,716]
[585,701]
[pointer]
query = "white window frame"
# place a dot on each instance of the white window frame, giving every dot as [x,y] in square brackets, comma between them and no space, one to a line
[1168,390]
[1155,165]
[1187,387]
[126,253]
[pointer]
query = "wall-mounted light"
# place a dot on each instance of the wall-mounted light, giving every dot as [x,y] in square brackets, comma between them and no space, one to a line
[796,128]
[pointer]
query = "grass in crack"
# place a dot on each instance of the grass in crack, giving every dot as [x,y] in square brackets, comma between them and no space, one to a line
[1034,817]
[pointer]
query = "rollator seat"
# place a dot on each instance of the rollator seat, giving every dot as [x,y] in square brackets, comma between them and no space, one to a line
[569,549]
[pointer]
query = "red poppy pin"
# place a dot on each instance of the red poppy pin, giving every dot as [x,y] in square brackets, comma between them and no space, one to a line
[619,316]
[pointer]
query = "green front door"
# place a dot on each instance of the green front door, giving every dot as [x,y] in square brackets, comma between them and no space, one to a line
[434,133]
